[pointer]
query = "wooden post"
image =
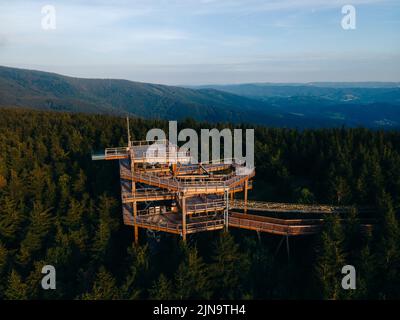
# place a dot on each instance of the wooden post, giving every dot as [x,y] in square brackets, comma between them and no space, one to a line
[287,247]
[136,228]
[134,204]
[226,213]
[129,131]
[245,195]
[183,202]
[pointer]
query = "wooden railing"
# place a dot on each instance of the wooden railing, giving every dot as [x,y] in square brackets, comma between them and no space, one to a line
[144,220]
[116,153]
[147,193]
[274,228]
[149,142]
[192,185]
[291,227]
[167,226]
[293,207]
[207,205]
[204,225]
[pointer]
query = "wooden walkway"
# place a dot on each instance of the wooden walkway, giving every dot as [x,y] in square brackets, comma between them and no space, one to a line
[275,226]
[189,187]
[161,222]
[293,207]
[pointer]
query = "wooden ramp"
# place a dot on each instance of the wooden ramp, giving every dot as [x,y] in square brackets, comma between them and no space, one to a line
[163,223]
[293,207]
[284,227]
[273,225]
[188,187]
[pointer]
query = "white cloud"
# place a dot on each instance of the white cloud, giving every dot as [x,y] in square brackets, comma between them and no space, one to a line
[251,6]
[211,38]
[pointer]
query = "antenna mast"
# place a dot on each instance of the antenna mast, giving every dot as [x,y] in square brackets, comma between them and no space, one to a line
[129,132]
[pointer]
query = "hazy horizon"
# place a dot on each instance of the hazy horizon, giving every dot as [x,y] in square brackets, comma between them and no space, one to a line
[321,83]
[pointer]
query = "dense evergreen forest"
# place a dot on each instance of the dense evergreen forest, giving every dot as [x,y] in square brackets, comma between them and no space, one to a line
[58,207]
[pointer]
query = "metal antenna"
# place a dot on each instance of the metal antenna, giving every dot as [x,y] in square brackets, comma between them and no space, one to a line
[129,132]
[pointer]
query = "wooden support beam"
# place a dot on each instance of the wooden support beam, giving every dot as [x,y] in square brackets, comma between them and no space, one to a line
[279,246]
[226,213]
[136,228]
[287,247]
[174,169]
[246,187]
[134,204]
[183,205]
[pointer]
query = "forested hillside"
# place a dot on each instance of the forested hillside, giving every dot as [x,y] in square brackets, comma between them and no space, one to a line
[50,91]
[367,104]
[58,207]
[291,106]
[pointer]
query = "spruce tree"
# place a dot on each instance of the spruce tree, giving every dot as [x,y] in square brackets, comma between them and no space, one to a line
[192,277]
[229,269]
[137,272]
[366,271]
[330,258]
[104,287]
[3,267]
[16,288]
[41,223]
[162,289]
[388,250]
[11,220]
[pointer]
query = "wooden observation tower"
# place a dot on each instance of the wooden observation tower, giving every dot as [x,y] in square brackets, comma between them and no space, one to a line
[163,189]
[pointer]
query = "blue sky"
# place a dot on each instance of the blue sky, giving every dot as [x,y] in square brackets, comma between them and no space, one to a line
[205,41]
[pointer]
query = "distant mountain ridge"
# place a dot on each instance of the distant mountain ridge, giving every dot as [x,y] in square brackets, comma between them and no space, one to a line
[50,91]
[278,105]
[371,104]
[368,92]
[366,84]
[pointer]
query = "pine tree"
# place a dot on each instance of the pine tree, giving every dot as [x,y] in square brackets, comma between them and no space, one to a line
[305,196]
[16,289]
[33,282]
[229,269]
[361,188]
[366,271]
[79,184]
[262,278]
[3,182]
[342,190]
[64,191]
[102,241]
[104,287]
[10,220]
[192,277]
[388,250]
[138,269]
[162,289]
[352,231]
[331,258]
[3,267]
[3,257]
[41,222]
